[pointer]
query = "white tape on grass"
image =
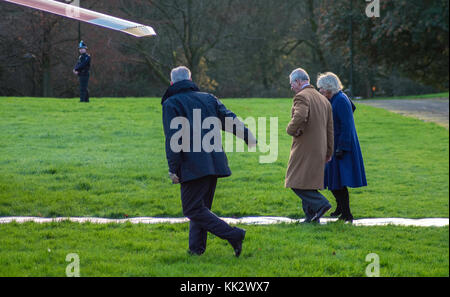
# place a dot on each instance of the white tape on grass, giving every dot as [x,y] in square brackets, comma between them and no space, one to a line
[427,222]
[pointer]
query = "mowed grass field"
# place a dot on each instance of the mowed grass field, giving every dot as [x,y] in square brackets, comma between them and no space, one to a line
[107,159]
[295,250]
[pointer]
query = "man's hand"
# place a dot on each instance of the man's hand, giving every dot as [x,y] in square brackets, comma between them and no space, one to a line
[329,159]
[75,72]
[175,179]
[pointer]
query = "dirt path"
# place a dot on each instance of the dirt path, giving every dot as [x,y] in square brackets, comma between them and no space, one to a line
[429,110]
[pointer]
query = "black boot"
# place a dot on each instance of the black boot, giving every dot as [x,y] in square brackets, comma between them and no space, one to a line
[337,195]
[345,207]
[347,219]
[337,212]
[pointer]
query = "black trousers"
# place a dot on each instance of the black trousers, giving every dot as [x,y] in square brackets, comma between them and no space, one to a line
[197,198]
[84,92]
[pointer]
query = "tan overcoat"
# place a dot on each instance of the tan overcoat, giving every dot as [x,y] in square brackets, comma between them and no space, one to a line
[311,127]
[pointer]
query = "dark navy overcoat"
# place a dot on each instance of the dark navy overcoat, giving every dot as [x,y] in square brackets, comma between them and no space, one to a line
[348,171]
[180,100]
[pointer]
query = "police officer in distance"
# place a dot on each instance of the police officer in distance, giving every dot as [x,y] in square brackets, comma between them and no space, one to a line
[82,70]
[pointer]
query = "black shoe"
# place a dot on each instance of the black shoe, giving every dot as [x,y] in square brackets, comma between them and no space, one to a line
[310,222]
[320,213]
[237,245]
[191,253]
[306,221]
[347,219]
[336,213]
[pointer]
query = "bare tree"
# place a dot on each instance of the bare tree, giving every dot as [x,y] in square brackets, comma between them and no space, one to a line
[190,30]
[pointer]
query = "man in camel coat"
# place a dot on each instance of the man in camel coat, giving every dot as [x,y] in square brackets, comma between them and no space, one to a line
[311,127]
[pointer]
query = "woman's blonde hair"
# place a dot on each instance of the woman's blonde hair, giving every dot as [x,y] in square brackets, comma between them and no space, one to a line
[330,82]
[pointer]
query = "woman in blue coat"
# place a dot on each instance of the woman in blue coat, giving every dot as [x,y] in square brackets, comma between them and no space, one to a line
[346,169]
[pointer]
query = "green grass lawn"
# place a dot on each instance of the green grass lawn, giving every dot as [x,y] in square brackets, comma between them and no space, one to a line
[296,250]
[423,96]
[107,159]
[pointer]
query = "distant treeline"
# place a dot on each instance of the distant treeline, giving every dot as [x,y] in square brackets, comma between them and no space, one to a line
[235,48]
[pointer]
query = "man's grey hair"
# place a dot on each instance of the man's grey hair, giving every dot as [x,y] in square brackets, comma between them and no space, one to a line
[299,74]
[179,74]
[329,82]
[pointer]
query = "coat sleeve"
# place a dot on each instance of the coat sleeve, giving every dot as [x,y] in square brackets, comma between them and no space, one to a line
[344,116]
[330,133]
[300,116]
[238,128]
[173,158]
[82,63]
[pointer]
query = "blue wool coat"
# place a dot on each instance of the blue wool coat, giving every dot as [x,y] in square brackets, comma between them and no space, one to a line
[349,171]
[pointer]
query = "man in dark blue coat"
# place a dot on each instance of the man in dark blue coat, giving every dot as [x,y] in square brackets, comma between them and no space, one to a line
[346,169]
[82,70]
[196,163]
